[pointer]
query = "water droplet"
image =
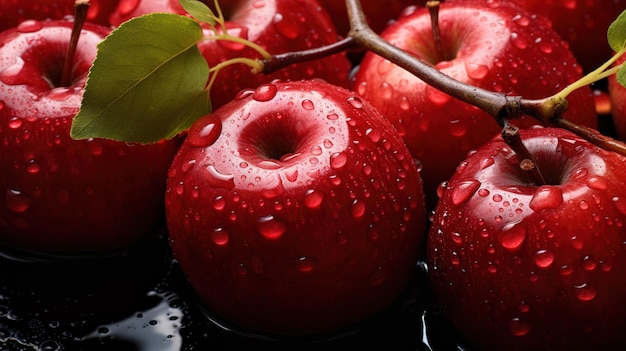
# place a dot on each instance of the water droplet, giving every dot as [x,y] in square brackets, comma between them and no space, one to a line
[589,264]
[308,104]
[313,199]
[33,167]
[620,204]
[519,41]
[373,134]
[205,131]
[265,92]
[285,27]
[512,235]
[436,96]
[16,201]
[270,227]
[11,75]
[332,116]
[305,264]
[357,209]
[384,67]
[597,183]
[220,236]
[476,71]
[15,123]
[585,292]
[338,160]
[219,203]
[29,26]
[546,197]
[522,20]
[463,191]
[544,258]
[355,102]
[519,327]
[219,179]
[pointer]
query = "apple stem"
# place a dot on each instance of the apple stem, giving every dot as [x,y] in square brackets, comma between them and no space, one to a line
[433,10]
[510,135]
[80,17]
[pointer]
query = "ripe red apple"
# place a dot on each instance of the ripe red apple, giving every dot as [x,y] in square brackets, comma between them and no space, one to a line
[279,26]
[16,11]
[60,194]
[617,97]
[523,265]
[295,209]
[500,48]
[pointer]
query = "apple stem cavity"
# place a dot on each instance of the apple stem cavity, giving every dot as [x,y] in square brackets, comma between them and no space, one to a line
[510,135]
[80,16]
[433,10]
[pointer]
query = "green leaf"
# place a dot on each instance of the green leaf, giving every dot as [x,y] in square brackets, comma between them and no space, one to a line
[147,82]
[198,10]
[616,33]
[621,76]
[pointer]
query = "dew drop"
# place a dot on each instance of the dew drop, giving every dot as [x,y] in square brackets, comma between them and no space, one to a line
[357,209]
[219,203]
[519,41]
[33,167]
[313,199]
[436,96]
[205,132]
[512,235]
[518,327]
[338,160]
[286,28]
[16,201]
[308,104]
[546,197]
[476,71]
[585,292]
[29,26]
[373,134]
[463,191]
[544,258]
[355,102]
[270,227]
[220,236]
[620,204]
[265,92]
[11,75]
[305,264]
[15,122]
[597,183]
[332,116]
[384,67]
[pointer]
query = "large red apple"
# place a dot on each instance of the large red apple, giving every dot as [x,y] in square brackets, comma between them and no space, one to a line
[60,194]
[522,265]
[279,26]
[501,48]
[295,210]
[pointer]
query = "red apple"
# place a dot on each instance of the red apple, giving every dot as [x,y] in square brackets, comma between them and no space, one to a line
[15,11]
[523,265]
[501,48]
[279,26]
[60,194]
[295,210]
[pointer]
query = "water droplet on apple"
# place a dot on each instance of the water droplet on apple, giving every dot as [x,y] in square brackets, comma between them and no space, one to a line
[15,122]
[32,167]
[597,183]
[589,264]
[546,197]
[306,264]
[357,209]
[332,116]
[205,131]
[219,236]
[585,292]
[522,20]
[405,105]
[463,191]
[11,75]
[544,46]
[386,90]
[29,26]
[384,67]
[570,4]
[259,4]
[94,146]
[285,27]
[355,102]
[620,204]
[476,71]
[219,203]
[544,258]
[436,96]
[512,235]
[219,179]
[338,160]
[265,92]
[308,104]
[270,227]
[313,198]
[17,201]
[519,327]
[519,41]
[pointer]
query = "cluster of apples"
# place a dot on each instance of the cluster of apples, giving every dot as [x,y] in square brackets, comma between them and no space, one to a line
[302,203]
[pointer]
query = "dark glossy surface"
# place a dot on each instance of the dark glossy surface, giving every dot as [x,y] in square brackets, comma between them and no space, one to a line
[139,300]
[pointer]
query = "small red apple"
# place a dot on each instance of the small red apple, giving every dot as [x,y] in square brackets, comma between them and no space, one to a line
[295,209]
[16,11]
[522,265]
[60,194]
[501,48]
[279,26]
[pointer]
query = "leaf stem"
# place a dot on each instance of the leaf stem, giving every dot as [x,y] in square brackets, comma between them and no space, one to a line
[80,16]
